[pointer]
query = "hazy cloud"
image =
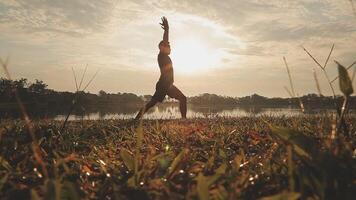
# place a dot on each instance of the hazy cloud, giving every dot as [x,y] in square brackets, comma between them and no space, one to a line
[45,38]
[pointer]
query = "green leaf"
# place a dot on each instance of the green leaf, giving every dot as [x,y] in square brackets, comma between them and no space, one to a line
[139,140]
[237,162]
[218,173]
[128,159]
[176,162]
[3,181]
[210,162]
[50,193]
[70,191]
[204,182]
[139,137]
[344,80]
[222,154]
[131,182]
[202,187]
[283,196]
[163,162]
[220,193]
[302,144]
[34,195]
[58,187]
[5,164]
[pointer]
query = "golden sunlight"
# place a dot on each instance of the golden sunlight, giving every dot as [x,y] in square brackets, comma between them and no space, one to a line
[192,55]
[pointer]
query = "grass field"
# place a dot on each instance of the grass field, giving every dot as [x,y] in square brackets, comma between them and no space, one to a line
[220,158]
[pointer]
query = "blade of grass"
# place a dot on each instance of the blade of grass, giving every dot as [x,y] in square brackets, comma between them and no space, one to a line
[35,146]
[327,59]
[317,82]
[75,80]
[81,81]
[96,73]
[346,88]
[346,68]
[353,75]
[139,140]
[290,77]
[312,58]
[293,94]
[76,96]
[290,168]
[289,92]
[322,68]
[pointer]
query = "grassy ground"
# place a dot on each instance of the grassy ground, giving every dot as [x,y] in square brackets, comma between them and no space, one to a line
[220,158]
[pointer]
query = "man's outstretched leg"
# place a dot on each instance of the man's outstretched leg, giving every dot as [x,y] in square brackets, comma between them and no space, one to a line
[143,110]
[174,92]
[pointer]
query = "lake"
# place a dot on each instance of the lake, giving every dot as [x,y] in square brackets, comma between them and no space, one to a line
[163,111]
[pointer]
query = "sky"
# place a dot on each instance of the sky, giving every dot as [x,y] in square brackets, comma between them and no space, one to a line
[231,47]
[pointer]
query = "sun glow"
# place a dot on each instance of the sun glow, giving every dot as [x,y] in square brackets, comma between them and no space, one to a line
[192,55]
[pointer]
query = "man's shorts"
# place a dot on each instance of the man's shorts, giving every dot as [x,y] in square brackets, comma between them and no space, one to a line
[165,89]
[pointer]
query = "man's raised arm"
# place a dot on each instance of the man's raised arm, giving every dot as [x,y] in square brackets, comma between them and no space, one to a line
[165,27]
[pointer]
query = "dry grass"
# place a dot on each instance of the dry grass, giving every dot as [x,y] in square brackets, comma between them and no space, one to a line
[222,158]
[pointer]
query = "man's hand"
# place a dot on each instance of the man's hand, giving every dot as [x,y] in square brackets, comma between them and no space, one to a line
[164,24]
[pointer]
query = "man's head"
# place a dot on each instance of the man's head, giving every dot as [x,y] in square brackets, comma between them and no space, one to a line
[164,47]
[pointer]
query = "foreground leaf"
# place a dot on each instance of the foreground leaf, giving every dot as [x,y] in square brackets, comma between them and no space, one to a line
[302,144]
[50,193]
[128,159]
[204,182]
[5,164]
[71,190]
[3,181]
[176,162]
[34,195]
[202,187]
[283,196]
[218,173]
[344,80]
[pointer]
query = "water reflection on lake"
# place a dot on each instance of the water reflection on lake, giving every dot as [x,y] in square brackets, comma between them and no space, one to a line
[163,111]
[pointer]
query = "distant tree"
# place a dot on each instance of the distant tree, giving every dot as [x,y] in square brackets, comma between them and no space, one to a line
[102,93]
[21,84]
[212,99]
[147,97]
[39,87]
[6,88]
[5,85]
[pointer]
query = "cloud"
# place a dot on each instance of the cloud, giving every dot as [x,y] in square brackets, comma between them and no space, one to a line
[121,38]
[73,17]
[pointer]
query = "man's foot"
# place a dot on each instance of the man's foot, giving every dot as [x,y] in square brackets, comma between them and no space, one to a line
[139,115]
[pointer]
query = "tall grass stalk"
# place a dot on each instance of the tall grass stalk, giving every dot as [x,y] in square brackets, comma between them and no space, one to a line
[292,91]
[75,80]
[346,88]
[81,80]
[76,95]
[317,82]
[323,67]
[339,111]
[35,145]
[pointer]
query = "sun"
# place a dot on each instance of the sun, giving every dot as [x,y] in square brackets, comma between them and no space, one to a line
[193,55]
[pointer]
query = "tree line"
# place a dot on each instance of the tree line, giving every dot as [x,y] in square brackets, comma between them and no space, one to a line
[39,94]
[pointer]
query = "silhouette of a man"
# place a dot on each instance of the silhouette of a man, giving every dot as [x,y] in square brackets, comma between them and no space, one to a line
[165,85]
